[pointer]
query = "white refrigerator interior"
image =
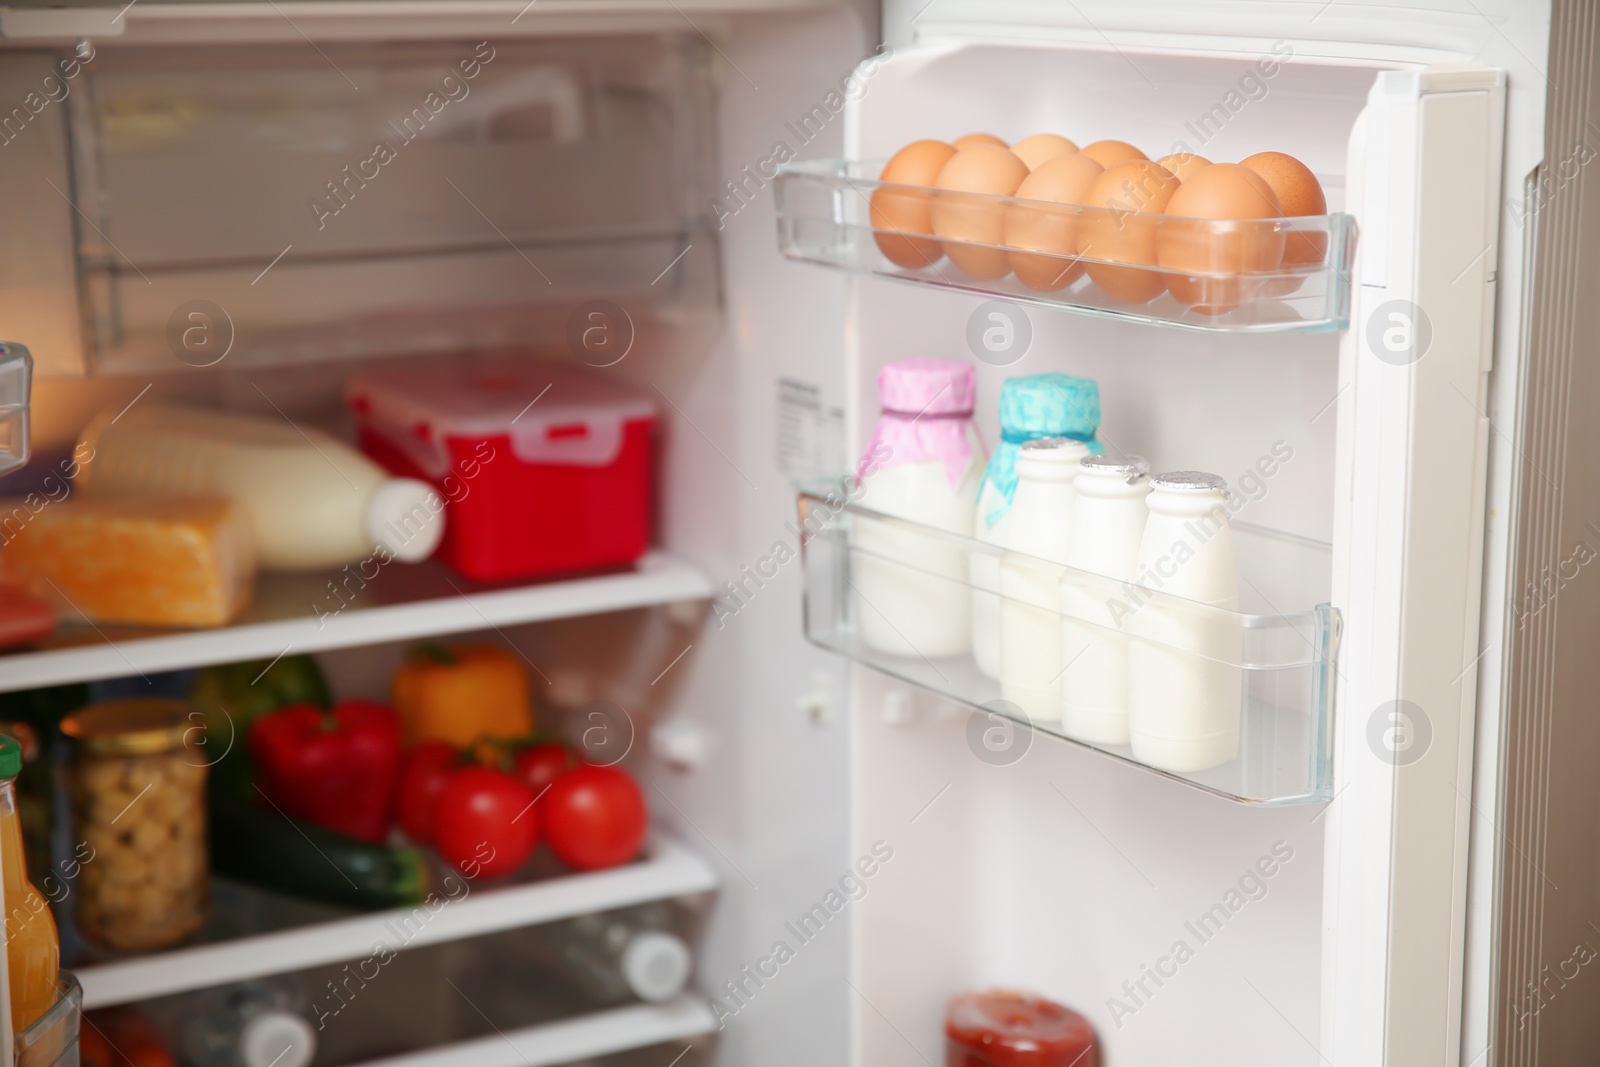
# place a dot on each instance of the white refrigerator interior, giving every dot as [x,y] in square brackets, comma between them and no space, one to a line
[876,841]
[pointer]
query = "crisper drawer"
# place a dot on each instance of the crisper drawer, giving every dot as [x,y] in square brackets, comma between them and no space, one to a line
[279,203]
[1235,703]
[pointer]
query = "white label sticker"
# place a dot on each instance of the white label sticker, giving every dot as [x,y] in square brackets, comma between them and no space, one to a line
[810,432]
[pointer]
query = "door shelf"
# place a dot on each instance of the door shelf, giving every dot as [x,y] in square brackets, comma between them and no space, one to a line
[1236,704]
[303,613]
[254,933]
[601,1033]
[836,214]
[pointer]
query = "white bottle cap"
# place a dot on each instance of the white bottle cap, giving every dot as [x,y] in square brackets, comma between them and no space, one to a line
[277,1039]
[656,966]
[406,517]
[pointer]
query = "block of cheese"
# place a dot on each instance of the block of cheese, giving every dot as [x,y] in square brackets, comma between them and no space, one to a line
[155,561]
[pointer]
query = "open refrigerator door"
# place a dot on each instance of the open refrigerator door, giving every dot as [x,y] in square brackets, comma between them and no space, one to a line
[1027,863]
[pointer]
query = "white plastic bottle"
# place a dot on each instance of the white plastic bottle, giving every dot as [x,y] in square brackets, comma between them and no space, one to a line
[1031,573]
[1031,406]
[311,501]
[1108,520]
[1185,685]
[923,465]
[253,1024]
[617,957]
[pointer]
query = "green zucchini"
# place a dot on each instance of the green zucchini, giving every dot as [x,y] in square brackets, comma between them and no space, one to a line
[265,848]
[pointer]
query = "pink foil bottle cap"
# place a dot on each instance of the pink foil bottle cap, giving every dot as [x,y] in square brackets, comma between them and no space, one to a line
[925,386]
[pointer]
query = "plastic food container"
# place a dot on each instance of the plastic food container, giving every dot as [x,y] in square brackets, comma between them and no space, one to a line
[545,468]
[1002,1028]
[52,1040]
[139,801]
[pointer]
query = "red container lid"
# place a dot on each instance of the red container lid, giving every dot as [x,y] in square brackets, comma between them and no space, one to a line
[1004,1028]
[553,412]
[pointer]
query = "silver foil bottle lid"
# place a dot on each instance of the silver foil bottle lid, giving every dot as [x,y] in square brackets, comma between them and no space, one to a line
[1131,469]
[1055,451]
[1189,481]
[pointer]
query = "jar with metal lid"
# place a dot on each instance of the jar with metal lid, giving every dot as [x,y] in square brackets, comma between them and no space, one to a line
[138,791]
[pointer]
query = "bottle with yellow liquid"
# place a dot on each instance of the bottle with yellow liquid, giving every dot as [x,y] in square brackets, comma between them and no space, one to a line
[33,951]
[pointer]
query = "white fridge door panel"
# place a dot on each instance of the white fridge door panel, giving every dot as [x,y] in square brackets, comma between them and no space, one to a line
[1425,172]
[1184,927]
[1087,881]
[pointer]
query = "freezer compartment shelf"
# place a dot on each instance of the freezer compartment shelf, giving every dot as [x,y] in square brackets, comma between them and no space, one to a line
[310,613]
[602,1033]
[1234,703]
[1252,276]
[254,933]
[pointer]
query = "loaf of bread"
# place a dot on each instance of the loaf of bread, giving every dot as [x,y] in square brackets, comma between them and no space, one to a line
[156,561]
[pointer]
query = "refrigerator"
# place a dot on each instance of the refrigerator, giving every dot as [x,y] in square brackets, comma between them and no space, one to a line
[1396,865]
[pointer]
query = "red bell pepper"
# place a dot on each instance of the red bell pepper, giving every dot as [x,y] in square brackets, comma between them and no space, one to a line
[336,768]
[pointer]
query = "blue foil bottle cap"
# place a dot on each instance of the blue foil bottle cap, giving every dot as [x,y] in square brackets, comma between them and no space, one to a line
[1034,406]
[1050,405]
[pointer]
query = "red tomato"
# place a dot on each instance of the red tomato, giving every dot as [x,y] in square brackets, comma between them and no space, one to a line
[93,1048]
[595,817]
[485,824]
[422,776]
[540,765]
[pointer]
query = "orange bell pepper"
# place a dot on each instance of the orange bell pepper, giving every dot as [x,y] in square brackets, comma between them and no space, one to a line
[459,695]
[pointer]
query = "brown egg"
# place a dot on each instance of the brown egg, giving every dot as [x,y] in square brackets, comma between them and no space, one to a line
[1041,148]
[1300,194]
[898,213]
[972,140]
[1184,165]
[1063,181]
[1208,230]
[1109,153]
[983,169]
[1128,199]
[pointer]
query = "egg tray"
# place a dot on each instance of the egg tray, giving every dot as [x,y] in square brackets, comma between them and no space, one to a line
[1238,276]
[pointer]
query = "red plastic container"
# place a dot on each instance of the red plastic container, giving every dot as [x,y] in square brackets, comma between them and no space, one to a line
[546,469]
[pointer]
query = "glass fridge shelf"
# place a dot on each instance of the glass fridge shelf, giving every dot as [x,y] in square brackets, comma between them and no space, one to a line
[1237,704]
[1214,276]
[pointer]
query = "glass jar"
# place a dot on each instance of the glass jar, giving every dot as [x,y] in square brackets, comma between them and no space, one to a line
[139,804]
[1004,1028]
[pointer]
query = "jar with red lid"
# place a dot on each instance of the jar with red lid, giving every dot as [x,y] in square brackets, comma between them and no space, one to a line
[1004,1028]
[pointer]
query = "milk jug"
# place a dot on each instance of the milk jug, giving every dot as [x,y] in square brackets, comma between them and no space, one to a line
[923,465]
[310,500]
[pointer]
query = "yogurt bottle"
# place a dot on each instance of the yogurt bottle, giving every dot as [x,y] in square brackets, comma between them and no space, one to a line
[1108,520]
[1038,405]
[1185,685]
[1037,538]
[923,464]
